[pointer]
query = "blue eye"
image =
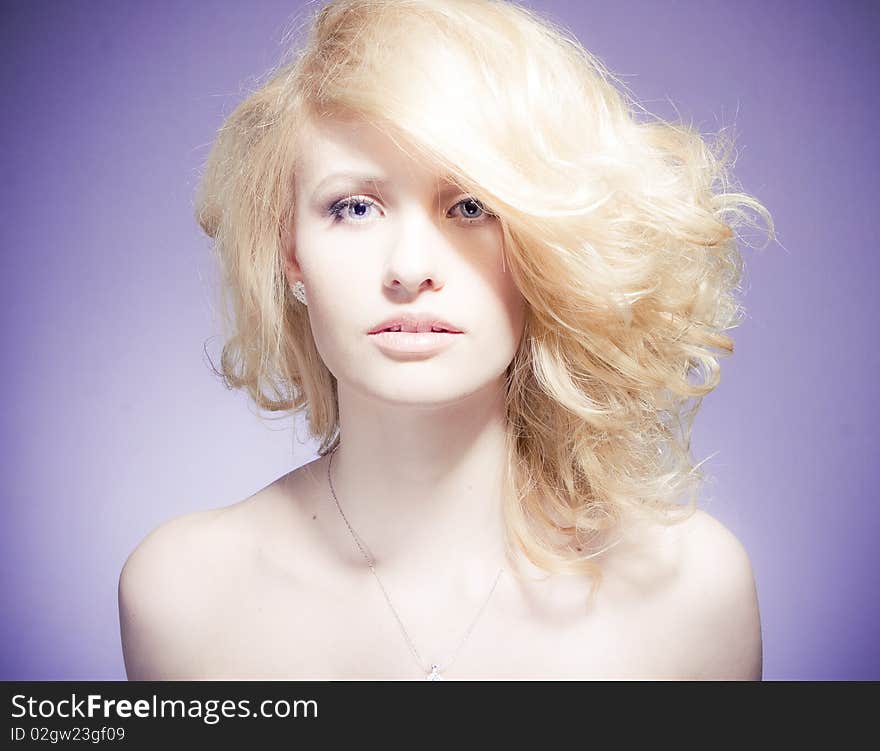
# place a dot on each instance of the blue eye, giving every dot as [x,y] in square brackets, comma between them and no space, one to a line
[356,210]
[472,205]
[352,202]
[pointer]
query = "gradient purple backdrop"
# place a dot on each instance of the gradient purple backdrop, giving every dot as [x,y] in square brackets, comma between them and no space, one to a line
[115,423]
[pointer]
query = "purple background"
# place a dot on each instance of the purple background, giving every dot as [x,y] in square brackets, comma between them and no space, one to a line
[114,422]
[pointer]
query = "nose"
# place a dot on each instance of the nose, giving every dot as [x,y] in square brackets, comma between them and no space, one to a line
[414,255]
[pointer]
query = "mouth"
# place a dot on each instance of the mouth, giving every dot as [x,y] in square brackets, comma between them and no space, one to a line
[399,329]
[396,342]
[412,323]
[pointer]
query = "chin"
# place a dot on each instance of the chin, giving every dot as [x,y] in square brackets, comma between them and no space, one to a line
[423,390]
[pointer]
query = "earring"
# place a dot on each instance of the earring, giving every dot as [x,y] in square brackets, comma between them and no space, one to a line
[299,291]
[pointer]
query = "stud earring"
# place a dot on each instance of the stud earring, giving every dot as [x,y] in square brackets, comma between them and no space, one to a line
[299,291]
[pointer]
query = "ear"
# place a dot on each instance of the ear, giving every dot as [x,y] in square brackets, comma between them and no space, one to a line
[289,262]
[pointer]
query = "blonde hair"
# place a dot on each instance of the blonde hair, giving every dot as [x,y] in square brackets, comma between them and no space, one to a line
[618,228]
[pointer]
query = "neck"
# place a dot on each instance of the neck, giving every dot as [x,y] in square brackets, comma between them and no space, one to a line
[422,485]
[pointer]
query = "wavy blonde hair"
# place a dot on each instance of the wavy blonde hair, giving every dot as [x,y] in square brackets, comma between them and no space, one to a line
[619,229]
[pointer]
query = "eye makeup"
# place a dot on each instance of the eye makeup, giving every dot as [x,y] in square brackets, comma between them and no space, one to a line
[340,210]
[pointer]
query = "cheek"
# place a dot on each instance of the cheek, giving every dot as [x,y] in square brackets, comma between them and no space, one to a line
[510,299]
[331,333]
[333,308]
[515,307]
[510,294]
[506,307]
[340,314]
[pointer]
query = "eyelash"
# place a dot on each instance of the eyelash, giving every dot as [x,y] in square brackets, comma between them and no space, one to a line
[339,206]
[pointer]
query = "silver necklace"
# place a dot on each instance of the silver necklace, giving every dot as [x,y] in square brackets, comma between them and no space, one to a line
[434,673]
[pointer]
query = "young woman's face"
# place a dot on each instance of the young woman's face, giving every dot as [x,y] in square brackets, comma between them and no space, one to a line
[390,237]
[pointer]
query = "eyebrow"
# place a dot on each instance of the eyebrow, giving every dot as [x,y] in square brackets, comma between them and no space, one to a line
[353,177]
[365,179]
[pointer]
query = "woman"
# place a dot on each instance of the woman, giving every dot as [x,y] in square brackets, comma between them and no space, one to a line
[452,241]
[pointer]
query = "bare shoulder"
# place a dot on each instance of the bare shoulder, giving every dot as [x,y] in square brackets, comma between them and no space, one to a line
[160,587]
[718,592]
[182,579]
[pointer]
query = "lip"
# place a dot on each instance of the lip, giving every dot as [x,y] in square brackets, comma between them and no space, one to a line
[411,321]
[421,343]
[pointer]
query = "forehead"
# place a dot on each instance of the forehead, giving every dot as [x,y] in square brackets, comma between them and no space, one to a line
[357,148]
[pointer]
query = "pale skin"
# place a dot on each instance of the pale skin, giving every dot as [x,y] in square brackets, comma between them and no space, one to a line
[275,587]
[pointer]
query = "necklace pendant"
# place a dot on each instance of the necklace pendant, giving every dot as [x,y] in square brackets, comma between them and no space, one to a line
[434,675]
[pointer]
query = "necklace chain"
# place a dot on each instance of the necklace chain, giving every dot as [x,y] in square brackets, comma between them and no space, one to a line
[435,670]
